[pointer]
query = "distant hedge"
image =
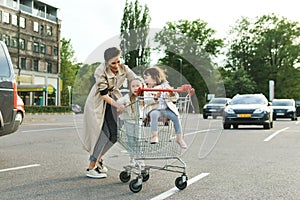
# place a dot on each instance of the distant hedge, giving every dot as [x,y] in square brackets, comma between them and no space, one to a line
[48,109]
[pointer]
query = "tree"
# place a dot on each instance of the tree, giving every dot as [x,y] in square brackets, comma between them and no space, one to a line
[84,81]
[193,43]
[134,32]
[268,49]
[68,69]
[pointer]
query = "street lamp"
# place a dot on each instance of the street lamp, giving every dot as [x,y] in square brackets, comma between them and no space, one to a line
[180,68]
[69,89]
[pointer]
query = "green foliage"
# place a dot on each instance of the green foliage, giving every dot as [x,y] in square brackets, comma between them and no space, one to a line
[268,49]
[193,43]
[68,69]
[48,109]
[83,83]
[134,33]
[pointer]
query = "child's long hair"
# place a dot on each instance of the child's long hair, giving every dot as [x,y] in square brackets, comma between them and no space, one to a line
[132,97]
[157,74]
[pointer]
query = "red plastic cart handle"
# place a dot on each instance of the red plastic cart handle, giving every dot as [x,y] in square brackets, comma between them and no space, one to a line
[184,88]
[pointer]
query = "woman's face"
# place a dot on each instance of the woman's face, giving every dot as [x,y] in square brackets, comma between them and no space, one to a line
[135,84]
[114,64]
[149,81]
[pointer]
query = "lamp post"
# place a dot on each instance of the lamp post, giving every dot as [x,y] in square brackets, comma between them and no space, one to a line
[69,89]
[180,68]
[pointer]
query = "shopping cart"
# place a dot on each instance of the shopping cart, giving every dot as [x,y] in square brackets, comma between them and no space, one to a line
[134,135]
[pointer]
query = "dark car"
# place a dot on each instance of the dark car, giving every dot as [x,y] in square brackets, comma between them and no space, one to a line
[248,109]
[284,108]
[215,107]
[8,94]
[298,107]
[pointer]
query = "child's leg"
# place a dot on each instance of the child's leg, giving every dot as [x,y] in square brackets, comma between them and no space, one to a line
[177,126]
[154,115]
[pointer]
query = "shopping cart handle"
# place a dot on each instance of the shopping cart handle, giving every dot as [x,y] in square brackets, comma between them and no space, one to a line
[184,88]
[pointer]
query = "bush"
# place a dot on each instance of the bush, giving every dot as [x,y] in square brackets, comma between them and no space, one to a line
[48,109]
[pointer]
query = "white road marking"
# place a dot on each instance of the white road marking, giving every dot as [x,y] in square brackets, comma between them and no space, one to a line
[21,167]
[274,134]
[49,129]
[175,189]
[201,131]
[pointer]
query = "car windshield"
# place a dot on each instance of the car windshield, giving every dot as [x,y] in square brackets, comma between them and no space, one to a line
[218,101]
[248,100]
[282,103]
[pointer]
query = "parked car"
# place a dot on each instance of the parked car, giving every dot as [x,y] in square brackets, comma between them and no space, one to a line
[20,110]
[248,109]
[284,108]
[297,107]
[8,94]
[76,108]
[215,107]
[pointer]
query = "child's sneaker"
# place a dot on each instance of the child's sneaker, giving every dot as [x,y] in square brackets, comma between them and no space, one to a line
[181,143]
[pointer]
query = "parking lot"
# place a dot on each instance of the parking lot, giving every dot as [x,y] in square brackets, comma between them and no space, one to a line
[44,160]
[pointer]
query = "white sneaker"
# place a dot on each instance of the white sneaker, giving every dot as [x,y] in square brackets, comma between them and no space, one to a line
[101,167]
[95,173]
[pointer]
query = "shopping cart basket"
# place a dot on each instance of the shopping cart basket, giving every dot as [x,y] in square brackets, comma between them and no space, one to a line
[134,134]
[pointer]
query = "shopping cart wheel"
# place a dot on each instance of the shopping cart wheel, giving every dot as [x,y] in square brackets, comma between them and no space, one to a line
[124,176]
[134,186]
[146,177]
[180,183]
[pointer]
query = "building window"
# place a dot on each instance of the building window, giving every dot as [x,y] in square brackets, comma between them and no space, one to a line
[5,17]
[22,22]
[36,65]
[14,20]
[35,27]
[42,30]
[49,67]
[55,51]
[36,47]
[43,48]
[14,42]
[6,40]
[23,63]
[22,43]
[49,30]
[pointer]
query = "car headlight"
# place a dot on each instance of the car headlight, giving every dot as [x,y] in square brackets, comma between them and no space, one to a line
[205,106]
[258,111]
[290,110]
[229,111]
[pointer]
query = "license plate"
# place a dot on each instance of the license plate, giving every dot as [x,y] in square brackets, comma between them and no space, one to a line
[212,110]
[280,114]
[244,115]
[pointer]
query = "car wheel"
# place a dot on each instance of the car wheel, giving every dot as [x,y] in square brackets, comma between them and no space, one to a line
[267,126]
[19,117]
[235,126]
[226,126]
[205,116]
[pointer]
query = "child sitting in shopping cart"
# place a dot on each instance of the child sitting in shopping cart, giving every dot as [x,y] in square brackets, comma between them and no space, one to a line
[132,117]
[161,104]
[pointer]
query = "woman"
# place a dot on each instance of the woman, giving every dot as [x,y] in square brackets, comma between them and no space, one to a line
[100,125]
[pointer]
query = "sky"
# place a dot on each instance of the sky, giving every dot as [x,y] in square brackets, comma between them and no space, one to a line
[91,23]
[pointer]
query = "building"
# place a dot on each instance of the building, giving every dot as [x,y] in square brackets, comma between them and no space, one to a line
[31,31]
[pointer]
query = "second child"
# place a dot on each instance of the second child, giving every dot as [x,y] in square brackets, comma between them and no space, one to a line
[163,106]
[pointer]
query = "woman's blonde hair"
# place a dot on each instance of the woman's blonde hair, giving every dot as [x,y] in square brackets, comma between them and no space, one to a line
[157,74]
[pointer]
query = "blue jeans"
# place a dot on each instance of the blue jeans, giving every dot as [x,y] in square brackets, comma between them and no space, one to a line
[155,114]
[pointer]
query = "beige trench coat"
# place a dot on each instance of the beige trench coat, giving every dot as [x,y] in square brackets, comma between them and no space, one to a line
[94,109]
